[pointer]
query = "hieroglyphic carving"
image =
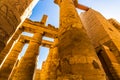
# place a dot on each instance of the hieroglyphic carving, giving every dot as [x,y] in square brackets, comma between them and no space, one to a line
[4,9]
[21,5]
[10,12]
[7,16]
[2,38]
[7,11]
[14,21]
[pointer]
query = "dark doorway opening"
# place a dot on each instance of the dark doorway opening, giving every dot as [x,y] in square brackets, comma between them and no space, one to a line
[104,64]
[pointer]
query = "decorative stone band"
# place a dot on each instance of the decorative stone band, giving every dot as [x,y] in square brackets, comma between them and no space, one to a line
[82,59]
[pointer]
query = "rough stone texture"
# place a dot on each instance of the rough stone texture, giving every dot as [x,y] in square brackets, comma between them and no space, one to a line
[13,13]
[78,60]
[9,45]
[115,23]
[112,63]
[37,74]
[49,68]
[26,67]
[99,29]
[101,32]
[72,56]
[13,70]
[11,58]
[27,40]
[33,26]
[44,19]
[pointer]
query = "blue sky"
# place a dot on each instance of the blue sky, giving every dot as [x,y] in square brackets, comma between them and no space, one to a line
[109,9]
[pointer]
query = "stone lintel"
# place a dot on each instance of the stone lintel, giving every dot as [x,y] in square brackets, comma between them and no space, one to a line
[32,27]
[82,7]
[44,43]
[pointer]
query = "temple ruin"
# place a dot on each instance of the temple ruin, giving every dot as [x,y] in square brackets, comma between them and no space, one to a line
[86,46]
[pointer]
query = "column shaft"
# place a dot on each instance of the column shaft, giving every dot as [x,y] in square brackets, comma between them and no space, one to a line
[13,70]
[25,69]
[13,13]
[49,69]
[37,74]
[44,19]
[78,59]
[9,45]
[8,64]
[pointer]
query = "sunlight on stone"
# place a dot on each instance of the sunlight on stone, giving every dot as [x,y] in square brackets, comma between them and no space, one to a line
[23,51]
[43,53]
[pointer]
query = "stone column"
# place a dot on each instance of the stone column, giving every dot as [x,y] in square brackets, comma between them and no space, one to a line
[49,69]
[44,19]
[13,13]
[37,74]
[26,67]
[13,70]
[10,43]
[46,66]
[10,60]
[78,59]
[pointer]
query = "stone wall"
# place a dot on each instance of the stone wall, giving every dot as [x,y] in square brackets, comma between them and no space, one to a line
[106,39]
[13,13]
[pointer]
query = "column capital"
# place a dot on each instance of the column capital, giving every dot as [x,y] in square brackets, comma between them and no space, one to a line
[37,37]
[55,44]
[59,1]
[39,32]
[21,28]
[21,39]
[75,2]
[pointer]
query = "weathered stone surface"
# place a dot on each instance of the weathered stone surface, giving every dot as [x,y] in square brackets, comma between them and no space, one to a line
[44,19]
[13,13]
[115,23]
[10,60]
[10,43]
[32,27]
[37,74]
[99,29]
[26,67]
[110,63]
[13,70]
[74,44]
[71,56]
[49,68]
[101,32]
